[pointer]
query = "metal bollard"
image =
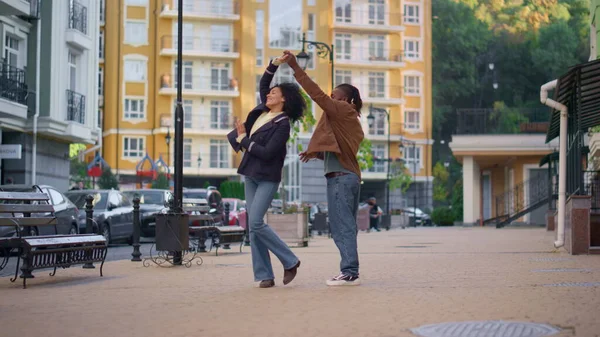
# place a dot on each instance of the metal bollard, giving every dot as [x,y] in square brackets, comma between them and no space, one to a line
[247,241]
[89,224]
[136,231]
[226,223]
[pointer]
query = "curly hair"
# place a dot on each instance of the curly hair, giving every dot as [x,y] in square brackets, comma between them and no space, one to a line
[294,104]
[352,94]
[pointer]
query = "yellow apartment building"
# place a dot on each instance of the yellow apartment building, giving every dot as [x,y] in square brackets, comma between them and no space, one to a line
[381,46]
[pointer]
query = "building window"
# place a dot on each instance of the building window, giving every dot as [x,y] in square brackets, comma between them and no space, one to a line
[379,158]
[134,108]
[72,58]
[412,158]
[285,28]
[258,77]
[343,46]
[136,32]
[343,76]
[377,47]
[376,12]
[219,115]
[188,74]
[343,10]
[135,70]
[219,151]
[100,81]
[11,51]
[379,126]
[137,2]
[101,45]
[187,152]
[311,35]
[411,13]
[188,113]
[220,36]
[219,76]
[260,37]
[133,147]
[412,49]
[376,84]
[102,11]
[283,75]
[311,2]
[412,85]
[412,119]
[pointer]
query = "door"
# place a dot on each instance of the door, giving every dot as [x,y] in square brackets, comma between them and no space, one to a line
[537,191]
[486,182]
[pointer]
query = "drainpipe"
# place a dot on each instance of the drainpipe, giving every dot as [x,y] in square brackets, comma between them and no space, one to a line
[37,101]
[562,159]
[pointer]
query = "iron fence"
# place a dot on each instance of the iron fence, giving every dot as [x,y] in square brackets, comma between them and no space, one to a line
[75,107]
[78,17]
[12,83]
[591,183]
[502,121]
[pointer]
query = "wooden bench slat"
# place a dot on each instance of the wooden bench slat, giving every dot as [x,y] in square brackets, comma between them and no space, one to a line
[28,221]
[26,208]
[65,240]
[231,229]
[24,196]
[196,208]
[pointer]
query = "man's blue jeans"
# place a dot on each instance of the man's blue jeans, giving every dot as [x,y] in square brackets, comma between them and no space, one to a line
[342,198]
[263,239]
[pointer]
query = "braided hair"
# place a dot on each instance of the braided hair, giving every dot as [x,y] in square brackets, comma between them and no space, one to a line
[352,95]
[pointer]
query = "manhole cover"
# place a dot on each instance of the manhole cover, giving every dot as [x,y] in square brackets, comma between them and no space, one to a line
[555,270]
[485,329]
[412,246]
[574,284]
[550,259]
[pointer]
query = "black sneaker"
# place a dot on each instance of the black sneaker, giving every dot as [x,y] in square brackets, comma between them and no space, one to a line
[343,280]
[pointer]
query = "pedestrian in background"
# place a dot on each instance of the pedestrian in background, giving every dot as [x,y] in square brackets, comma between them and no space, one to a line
[374,214]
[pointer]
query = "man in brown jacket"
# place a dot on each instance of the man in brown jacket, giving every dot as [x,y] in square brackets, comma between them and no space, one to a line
[336,140]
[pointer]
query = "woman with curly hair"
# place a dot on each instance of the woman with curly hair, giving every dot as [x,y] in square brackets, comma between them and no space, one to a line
[263,139]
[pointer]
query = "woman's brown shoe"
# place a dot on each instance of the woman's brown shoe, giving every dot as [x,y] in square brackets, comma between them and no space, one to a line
[267,283]
[290,274]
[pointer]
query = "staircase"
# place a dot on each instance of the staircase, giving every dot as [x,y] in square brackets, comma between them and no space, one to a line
[514,203]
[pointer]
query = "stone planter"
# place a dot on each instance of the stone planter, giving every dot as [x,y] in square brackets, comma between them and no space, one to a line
[292,228]
[400,221]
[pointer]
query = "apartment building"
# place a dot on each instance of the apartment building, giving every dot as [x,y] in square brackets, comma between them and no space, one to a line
[38,123]
[381,46]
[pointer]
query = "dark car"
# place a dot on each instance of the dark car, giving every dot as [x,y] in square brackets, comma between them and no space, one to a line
[113,213]
[213,200]
[152,202]
[65,211]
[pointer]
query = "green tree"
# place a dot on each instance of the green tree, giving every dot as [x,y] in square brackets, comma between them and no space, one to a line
[365,155]
[440,182]
[457,200]
[400,177]
[232,189]
[108,180]
[161,182]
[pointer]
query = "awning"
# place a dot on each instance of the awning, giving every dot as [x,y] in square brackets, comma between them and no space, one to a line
[579,90]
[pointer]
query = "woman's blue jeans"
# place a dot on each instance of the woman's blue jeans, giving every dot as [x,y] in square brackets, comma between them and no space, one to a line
[263,239]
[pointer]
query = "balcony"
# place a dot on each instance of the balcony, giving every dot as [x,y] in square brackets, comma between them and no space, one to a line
[222,10]
[76,34]
[372,93]
[75,107]
[370,58]
[13,92]
[502,121]
[25,9]
[374,20]
[200,47]
[207,86]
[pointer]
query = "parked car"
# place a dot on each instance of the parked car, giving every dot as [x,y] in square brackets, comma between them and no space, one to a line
[417,217]
[65,211]
[113,213]
[237,211]
[152,202]
[276,206]
[211,198]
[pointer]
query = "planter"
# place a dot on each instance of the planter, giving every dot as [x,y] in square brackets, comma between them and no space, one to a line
[291,228]
[401,221]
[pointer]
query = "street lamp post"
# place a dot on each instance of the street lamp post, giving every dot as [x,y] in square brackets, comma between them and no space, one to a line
[371,122]
[323,51]
[168,141]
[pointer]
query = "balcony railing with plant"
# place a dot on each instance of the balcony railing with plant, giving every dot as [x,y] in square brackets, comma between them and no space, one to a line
[78,17]
[12,84]
[502,120]
[75,107]
[368,54]
[205,7]
[200,83]
[200,44]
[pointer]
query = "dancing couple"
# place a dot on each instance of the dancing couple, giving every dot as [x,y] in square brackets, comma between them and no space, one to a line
[336,139]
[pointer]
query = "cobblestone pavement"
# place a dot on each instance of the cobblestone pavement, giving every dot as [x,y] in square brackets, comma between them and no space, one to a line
[411,278]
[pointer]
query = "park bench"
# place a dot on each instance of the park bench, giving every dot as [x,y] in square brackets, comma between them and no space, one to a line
[23,210]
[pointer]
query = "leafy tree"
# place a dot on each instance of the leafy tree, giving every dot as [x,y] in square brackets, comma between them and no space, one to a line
[161,182]
[399,177]
[365,155]
[108,180]
[440,182]
[457,200]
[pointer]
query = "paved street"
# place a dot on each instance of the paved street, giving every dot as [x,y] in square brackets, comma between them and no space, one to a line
[411,278]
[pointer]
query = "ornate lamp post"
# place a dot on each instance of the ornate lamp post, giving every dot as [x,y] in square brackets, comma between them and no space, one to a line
[323,51]
[168,141]
[371,122]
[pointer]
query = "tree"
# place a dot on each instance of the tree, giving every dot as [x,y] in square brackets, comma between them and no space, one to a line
[232,189]
[399,177]
[161,182]
[108,180]
[440,182]
[457,200]
[365,155]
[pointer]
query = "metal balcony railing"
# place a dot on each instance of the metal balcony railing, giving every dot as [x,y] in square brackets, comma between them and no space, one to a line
[367,53]
[205,7]
[200,83]
[200,44]
[12,84]
[375,15]
[502,121]
[78,17]
[75,107]
[375,90]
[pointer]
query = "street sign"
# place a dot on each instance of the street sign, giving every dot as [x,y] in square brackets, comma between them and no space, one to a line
[10,151]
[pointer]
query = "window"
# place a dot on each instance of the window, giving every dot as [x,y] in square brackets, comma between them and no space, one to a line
[412,158]
[219,153]
[258,77]
[379,124]
[343,76]
[188,74]
[285,28]
[136,32]
[221,38]
[102,10]
[188,113]
[311,2]
[133,147]
[377,47]
[260,36]
[134,108]
[100,81]
[219,76]
[11,51]
[187,152]
[283,74]
[412,119]
[376,12]
[137,2]
[411,49]
[343,10]
[311,35]
[376,84]
[411,13]
[219,115]
[57,198]
[379,157]
[343,46]
[412,85]
[72,57]
[101,45]
[135,70]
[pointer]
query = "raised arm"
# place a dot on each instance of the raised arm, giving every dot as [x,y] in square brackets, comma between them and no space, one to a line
[266,79]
